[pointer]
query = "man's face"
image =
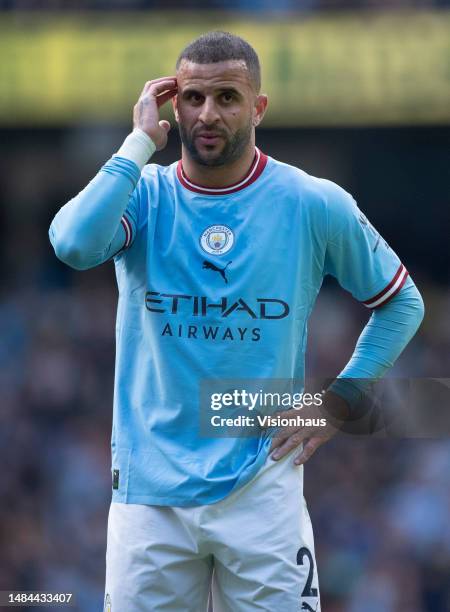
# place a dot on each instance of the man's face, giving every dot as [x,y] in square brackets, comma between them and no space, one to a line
[217,108]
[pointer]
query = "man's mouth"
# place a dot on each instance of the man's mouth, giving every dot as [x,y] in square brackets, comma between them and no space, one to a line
[208,138]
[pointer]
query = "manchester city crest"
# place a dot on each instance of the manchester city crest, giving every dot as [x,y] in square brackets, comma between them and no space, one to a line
[217,239]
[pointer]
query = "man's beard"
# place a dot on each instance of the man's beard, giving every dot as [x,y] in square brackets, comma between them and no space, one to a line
[233,149]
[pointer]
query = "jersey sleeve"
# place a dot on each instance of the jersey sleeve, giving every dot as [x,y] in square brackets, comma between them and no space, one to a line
[101,221]
[127,230]
[357,256]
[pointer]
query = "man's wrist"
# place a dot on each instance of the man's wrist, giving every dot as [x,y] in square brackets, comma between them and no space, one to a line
[336,406]
[348,389]
[138,147]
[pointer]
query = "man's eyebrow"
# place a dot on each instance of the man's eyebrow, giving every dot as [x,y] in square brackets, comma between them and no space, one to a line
[190,89]
[227,88]
[230,89]
[224,88]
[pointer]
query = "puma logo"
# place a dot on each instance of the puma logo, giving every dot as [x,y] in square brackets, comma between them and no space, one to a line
[210,266]
[306,606]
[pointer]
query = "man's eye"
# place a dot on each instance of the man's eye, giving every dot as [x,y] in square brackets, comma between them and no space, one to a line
[227,96]
[194,97]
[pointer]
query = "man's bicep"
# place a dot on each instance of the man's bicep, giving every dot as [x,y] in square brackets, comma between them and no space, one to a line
[358,257]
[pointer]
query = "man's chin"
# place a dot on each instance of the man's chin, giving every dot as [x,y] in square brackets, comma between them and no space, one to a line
[210,156]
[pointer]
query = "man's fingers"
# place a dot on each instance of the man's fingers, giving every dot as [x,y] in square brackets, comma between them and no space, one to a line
[156,89]
[282,435]
[163,97]
[292,442]
[148,84]
[309,448]
[158,86]
[278,441]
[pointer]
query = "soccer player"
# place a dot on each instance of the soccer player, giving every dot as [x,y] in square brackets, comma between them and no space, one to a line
[219,258]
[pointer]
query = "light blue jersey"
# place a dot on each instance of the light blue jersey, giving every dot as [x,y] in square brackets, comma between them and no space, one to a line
[213,283]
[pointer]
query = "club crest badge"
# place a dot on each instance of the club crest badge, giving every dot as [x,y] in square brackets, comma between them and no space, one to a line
[217,239]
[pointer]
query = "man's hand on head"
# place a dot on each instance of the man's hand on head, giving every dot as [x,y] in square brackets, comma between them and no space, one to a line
[146,110]
[334,410]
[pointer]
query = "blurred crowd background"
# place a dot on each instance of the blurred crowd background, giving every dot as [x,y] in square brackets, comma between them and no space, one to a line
[281,6]
[379,507]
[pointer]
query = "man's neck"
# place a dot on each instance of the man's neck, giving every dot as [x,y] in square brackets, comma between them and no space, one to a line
[218,176]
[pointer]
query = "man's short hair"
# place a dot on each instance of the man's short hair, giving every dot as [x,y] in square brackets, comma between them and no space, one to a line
[220,46]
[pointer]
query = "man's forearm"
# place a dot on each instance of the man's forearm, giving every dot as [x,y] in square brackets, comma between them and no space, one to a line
[84,233]
[381,342]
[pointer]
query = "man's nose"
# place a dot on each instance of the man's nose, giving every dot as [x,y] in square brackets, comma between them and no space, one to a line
[209,113]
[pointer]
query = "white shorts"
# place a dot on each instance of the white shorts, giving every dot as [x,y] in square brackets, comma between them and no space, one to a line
[253,550]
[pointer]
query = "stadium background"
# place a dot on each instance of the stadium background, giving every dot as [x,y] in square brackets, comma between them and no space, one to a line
[360,94]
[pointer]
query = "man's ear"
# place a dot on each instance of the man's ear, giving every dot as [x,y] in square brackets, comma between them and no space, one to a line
[259,109]
[175,107]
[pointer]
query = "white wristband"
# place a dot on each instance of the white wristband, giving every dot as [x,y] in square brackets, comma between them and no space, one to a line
[137,147]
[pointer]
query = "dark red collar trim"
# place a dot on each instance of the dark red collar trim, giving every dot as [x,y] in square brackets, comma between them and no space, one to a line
[258,165]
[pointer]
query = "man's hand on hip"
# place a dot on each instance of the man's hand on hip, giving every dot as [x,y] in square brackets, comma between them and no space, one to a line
[334,409]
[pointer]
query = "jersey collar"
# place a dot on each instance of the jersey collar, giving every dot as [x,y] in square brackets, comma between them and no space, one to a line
[258,165]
